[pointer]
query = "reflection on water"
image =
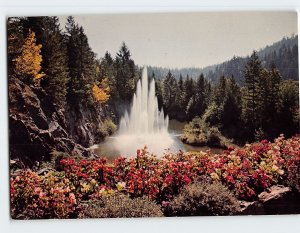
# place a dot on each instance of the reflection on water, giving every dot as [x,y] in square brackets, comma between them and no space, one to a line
[108,149]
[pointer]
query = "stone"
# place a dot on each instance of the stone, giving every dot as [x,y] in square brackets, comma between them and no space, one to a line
[251,208]
[280,200]
[36,127]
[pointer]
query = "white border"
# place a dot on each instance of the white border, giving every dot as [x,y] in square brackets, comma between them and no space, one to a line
[245,224]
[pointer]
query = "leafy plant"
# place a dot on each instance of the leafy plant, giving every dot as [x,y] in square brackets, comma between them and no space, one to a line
[203,199]
[120,206]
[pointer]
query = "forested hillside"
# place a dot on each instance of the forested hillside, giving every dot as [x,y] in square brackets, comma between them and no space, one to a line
[283,54]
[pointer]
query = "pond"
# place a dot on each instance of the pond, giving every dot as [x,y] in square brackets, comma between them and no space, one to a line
[107,148]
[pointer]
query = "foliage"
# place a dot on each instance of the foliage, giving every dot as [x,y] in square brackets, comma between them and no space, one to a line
[120,206]
[125,73]
[47,196]
[82,64]
[29,61]
[197,132]
[246,172]
[101,94]
[107,127]
[203,198]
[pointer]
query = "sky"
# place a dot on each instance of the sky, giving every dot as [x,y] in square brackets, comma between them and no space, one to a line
[177,40]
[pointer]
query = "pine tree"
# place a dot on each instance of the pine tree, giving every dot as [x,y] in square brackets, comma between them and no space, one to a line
[15,40]
[82,64]
[251,105]
[169,92]
[231,106]
[288,123]
[28,64]
[125,73]
[198,102]
[107,70]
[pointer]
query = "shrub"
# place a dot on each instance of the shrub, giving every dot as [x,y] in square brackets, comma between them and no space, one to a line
[120,206]
[107,128]
[203,199]
[199,133]
[39,197]
[246,172]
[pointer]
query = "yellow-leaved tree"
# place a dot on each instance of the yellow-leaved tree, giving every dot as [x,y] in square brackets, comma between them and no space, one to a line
[101,92]
[29,61]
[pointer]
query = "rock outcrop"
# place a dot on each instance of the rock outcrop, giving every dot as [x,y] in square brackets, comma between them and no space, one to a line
[36,127]
[275,200]
[280,200]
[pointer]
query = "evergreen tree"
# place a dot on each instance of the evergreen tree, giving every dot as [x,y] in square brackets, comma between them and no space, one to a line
[15,41]
[169,93]
[198,102]
[251,105]
[125,73]
[288,123]
[231,106]
[107,70]
[82,64]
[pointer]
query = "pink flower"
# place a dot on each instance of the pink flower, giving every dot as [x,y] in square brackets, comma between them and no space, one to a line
[72,199]
[265,141]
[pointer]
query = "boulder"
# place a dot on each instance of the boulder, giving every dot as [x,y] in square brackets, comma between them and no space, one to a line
[251,208]
[280,200]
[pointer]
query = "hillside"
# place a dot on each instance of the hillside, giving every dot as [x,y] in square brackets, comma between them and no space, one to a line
[284,54]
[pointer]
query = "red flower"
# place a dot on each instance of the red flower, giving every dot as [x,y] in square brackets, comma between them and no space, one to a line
[186,179]
[265,141]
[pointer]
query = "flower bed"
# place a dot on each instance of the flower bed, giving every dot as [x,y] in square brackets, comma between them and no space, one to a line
[246,172]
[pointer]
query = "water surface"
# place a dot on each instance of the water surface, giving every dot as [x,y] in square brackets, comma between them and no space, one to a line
[108,148]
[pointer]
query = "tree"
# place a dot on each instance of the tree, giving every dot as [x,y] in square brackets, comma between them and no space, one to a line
[28,64]
[169,93]
[82,64]
[231,109]
[101,92]
[199,100]
[55,60]
[107,70]
[288,108]
[125,73]
[251,105]
[15,40]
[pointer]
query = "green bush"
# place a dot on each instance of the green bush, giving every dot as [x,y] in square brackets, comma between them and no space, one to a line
[107,128]
[199,133]
[120,206]
[201,199]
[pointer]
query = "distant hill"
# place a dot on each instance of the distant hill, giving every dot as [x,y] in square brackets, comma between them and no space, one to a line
[284,54]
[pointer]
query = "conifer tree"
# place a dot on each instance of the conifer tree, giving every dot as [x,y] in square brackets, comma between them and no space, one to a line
[15,40]
[169,92]
[125,73]
[251,105]
[107,70]
[82,64]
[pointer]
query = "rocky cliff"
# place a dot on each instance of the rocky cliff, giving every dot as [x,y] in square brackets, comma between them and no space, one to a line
[37,127]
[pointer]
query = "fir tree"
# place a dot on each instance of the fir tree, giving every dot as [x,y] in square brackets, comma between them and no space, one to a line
[251,108]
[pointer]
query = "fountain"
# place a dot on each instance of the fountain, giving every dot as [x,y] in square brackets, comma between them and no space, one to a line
[145,124]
